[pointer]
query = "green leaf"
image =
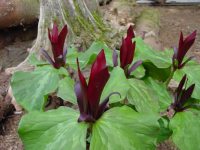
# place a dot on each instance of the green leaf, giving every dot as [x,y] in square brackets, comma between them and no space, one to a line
[186,130]
[30,88]
[121,128]
[54,129]
[139,72]
[161,59]
[161,74]
[33,60]
[66,90]
[72,54]
[165,132]
[142,96]
[116,83]
[193,73]
[163,96]
[89,55]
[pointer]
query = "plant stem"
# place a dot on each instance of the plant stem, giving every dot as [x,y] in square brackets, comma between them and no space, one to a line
[170,76]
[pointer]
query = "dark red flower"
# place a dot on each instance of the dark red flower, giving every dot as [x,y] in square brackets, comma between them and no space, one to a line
[57,42]
[88,95]
[184,46]
[182,95]
[127,51]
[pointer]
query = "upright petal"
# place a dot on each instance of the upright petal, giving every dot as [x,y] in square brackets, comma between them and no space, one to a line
[184,46]
[180,88]
[127,49]
[186,95]
[99,76]
[82,96]
[123,53]
[130,32]
[54,35]
[61,39]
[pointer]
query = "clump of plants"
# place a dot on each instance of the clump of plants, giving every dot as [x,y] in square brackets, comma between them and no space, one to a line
[124,104]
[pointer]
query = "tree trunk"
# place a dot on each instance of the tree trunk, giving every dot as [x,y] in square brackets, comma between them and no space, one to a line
[15,12]
[81,16]
[83,21]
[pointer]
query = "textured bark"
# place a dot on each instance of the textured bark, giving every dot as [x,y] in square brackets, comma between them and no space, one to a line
[81,17]
[15,12]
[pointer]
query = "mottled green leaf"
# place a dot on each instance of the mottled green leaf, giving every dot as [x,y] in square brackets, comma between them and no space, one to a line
[193,73]
[142,96]
[186,130]
[121,128]
[160,90]
[161,59]
[139,72]
[66,90]
[33,60]
[30,88]
[116,83]
[53,130]
[89,55]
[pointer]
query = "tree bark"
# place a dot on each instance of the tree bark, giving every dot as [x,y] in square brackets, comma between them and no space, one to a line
[15,12]
[81,17]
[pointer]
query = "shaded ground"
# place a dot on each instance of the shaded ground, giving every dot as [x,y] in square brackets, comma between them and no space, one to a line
[14,43]
[13,50]
[13,46]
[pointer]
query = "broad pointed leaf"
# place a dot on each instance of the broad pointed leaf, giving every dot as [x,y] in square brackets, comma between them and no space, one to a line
[186,130]
[161,59]
[142,96]
[33,60]
[163,96]
[54,129]
[124,129]
[66,90]
[89,56]
[30,88]
[139,72]
[192,70]
[116,83]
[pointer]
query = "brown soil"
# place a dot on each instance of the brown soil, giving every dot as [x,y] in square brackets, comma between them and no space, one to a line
[176,19]
[13,51]
[14,43]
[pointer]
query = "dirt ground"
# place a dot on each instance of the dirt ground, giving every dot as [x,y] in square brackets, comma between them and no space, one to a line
[13,46]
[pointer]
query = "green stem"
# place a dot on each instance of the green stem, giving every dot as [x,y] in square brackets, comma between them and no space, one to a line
[170,76]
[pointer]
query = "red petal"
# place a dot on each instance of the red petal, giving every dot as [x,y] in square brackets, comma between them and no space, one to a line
[54,36]
[81,77]
[61,39]
[184,45]
[99,76]
[180,88]
[81,91]
[123,53]
[186,95]
[127,49]
[130,32]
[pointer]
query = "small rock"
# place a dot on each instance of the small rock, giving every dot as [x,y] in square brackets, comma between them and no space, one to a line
[122,22]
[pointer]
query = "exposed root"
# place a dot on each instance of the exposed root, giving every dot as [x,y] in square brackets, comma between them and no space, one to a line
[51,11]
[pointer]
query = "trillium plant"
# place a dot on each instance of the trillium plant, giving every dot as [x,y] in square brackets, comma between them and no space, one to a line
[88,96]
[181,51]
[114,106]
[127,51]
[57,42]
